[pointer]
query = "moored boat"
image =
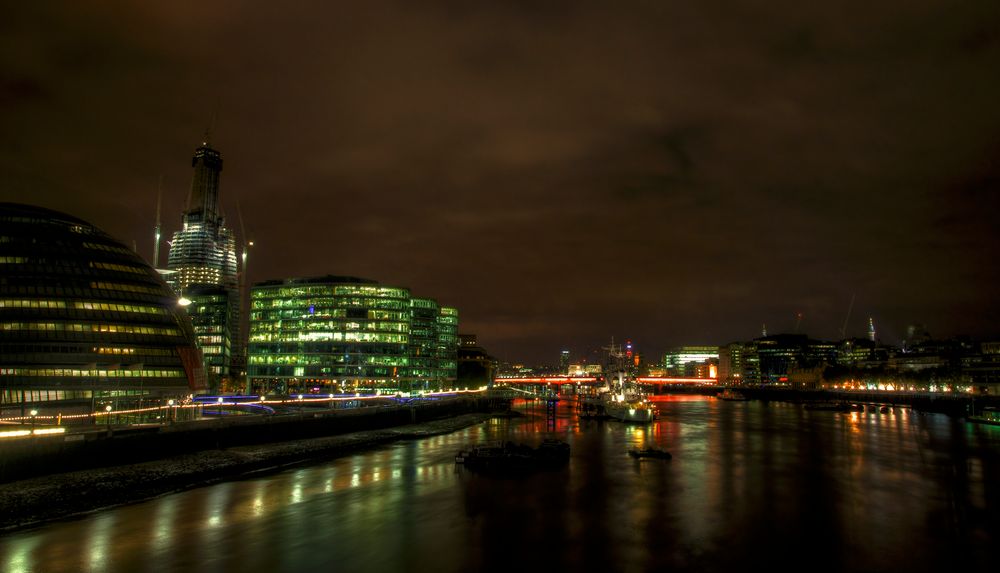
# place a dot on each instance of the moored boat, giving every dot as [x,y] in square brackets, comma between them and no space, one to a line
[732,395]
[629,409]
[623,399]
[640,453]
[989,416]
[508,456]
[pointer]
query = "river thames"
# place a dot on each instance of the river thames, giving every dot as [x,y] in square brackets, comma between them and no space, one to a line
[751,484]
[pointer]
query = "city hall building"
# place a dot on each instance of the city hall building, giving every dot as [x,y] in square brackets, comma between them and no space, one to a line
[83,318]
[347,334]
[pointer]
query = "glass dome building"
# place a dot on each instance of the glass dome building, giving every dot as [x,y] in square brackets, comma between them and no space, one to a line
[84,318]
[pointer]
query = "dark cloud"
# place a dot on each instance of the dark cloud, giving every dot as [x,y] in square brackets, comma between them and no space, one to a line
[562,171]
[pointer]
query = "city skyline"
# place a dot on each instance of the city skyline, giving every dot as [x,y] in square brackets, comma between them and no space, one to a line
[667,174]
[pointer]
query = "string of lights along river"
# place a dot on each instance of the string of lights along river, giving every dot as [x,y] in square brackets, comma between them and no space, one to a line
[750,484]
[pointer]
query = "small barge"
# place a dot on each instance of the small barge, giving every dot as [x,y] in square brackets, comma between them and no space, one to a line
[640,453]
[508,456]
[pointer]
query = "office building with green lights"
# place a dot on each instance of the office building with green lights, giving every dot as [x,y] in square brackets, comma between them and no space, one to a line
[346,334]
[211,312]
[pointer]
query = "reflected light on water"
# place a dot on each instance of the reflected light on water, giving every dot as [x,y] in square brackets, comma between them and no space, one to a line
[100,532]
[163,523]
[873,491]
[19,560]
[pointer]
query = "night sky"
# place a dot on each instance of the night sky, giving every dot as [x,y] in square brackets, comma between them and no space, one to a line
[562,172]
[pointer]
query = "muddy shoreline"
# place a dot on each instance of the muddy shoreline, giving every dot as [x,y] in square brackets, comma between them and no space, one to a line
[32,502]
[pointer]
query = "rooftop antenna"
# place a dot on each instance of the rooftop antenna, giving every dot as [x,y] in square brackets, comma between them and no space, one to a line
[156,231]
[843,329]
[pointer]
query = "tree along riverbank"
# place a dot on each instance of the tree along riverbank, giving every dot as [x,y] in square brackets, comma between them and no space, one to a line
[30,502]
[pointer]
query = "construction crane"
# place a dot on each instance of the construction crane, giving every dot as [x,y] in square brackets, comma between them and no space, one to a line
[850,307]
[244,325]
[156,231]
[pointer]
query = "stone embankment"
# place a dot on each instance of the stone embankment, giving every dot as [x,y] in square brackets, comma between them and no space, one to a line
[29,502]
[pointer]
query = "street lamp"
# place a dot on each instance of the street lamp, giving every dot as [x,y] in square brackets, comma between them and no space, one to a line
[170,410]
[107,416]
[33,414]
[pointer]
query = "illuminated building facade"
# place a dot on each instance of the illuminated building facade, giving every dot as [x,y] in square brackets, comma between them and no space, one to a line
[203,256]
[689,361]
[212,318]
[82,317]
[447,335]
[739,364]
[424,363]
[336,333]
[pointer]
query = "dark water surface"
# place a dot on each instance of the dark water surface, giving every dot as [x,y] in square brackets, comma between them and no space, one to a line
[751,484]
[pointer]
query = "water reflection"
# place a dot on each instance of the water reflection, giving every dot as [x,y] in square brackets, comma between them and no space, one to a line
[749,482]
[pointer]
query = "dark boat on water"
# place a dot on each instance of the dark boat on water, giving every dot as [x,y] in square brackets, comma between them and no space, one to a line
[640,453]
[989,416]
[732,395]
[508,456]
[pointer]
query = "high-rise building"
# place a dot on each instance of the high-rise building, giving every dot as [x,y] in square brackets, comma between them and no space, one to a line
[202,259]
[564,362]
[335,333]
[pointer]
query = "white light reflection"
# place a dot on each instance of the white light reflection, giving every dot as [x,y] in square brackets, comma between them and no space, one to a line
[258,498]
[217,505]
[20,557]
[100,533]
[163,523]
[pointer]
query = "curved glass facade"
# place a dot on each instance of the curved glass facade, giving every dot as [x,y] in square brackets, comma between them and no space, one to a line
[333,333]
[83,316]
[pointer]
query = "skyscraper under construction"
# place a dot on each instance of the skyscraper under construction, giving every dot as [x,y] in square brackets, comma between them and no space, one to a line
[202,266]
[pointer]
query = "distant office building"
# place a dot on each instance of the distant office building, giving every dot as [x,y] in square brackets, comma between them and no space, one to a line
[584,370]
[203,256]
[564,362]
[793,359]
[447,324]
[689,361]
[212,317]
[476,368]
[336,333]
[739,364]
[424,365]
[83,318]
[916,334]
